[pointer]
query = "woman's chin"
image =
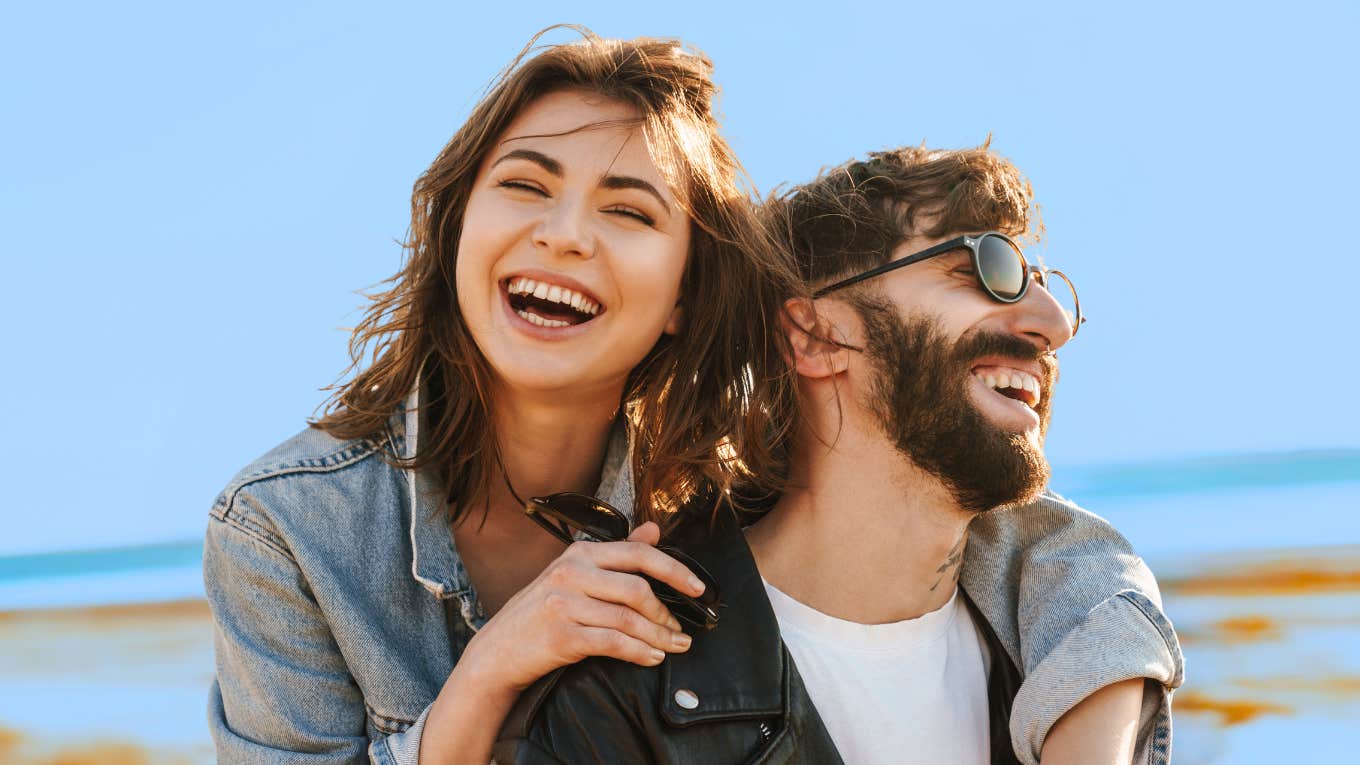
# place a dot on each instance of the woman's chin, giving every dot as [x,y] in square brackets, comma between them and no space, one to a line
[566,376]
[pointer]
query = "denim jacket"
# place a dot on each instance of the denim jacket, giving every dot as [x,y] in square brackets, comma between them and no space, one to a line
[327,570]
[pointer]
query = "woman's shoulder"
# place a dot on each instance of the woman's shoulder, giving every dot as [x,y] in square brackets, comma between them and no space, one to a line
[310,452]
[311,480]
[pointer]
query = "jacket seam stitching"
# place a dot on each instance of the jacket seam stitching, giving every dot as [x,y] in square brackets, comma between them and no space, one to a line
[344,456]
[387,723]
[257,532]
[1163,631]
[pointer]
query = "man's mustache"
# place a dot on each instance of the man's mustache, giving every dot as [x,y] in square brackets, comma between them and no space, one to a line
[987,343]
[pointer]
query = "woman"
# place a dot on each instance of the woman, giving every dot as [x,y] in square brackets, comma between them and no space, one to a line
[556,243]
[578,312]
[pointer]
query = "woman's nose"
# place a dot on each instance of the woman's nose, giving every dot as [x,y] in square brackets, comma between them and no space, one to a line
[565,230]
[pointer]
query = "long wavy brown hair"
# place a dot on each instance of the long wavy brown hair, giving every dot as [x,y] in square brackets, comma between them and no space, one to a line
[695,401]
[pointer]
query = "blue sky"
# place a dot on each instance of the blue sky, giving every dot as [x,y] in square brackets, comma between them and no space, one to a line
[190,196]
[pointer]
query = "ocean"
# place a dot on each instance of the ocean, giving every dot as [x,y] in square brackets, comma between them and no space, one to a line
[107,654]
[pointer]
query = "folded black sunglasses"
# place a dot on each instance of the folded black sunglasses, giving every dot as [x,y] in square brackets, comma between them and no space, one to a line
[565,513]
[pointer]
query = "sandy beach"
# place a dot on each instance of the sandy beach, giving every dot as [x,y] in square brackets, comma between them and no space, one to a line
[1270,641]
[119,685]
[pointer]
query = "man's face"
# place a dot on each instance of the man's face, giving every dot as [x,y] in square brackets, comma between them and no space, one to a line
[962,383]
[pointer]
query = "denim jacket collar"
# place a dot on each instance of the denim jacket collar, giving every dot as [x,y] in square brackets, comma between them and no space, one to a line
[434,562]
[434,559]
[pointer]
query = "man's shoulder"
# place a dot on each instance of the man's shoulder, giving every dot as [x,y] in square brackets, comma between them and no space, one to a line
[1047,516]
[597,702]
[596,684]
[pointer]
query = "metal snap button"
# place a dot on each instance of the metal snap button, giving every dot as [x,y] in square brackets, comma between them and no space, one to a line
[687,699]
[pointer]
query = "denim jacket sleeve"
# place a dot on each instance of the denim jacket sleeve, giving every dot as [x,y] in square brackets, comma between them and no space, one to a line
[1078,610]
[280,695]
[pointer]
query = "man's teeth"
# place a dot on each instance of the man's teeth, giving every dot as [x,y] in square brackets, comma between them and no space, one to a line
[523,285]
[1013,379]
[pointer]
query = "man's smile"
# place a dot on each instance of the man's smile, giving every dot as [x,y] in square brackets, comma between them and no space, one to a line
[1012,383]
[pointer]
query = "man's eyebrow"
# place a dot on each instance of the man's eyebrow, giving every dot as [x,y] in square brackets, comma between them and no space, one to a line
[629,182]
[538,158]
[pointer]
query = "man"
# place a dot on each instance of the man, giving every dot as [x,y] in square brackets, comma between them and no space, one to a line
[925,363]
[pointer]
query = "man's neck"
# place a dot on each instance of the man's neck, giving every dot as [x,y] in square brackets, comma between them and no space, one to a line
[862,534]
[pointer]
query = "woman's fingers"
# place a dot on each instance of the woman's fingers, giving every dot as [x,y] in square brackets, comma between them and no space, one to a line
[628,590]
[642,558]
[599,641]
[611,616]
[648,533]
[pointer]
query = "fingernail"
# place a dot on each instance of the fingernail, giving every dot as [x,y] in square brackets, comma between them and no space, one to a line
[695,583]
[673,623]
[681,641]
[658,656]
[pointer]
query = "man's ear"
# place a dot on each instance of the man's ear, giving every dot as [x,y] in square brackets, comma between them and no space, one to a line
[676,320]
[818,344]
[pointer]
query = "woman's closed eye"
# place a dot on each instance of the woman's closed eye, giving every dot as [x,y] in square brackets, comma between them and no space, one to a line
[523,185]
[631,212]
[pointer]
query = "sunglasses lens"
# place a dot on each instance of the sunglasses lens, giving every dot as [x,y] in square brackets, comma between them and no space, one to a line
[1001,267]
[585,514]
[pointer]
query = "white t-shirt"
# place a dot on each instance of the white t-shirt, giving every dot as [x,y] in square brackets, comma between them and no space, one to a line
[891,694]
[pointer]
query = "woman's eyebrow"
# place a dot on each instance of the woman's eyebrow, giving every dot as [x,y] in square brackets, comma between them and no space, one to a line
[629,182]
[538,158]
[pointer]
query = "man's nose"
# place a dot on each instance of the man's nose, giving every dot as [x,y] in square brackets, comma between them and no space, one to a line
[565,229]
[1041,318]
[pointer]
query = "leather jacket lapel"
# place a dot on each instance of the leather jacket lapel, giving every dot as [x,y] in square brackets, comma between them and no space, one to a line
[737,669]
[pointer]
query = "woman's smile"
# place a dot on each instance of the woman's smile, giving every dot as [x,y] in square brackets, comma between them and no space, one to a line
[550,305]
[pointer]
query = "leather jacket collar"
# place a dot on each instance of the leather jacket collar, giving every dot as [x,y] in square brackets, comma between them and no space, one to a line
[736,669]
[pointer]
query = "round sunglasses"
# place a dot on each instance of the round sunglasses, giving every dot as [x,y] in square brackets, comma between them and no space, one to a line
[565,513]
[1000,267]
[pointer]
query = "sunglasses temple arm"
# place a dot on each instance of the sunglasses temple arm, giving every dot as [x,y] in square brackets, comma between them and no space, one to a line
[557,529]
[892,265]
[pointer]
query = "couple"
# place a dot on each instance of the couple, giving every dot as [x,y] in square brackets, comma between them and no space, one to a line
[833,406]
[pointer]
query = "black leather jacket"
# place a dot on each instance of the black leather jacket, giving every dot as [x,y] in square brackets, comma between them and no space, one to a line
[751,705]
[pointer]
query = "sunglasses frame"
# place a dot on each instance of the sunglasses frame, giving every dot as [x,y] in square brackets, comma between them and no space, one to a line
[973,244]
[694,611]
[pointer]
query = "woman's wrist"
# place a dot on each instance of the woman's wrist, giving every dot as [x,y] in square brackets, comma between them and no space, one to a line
[466,717]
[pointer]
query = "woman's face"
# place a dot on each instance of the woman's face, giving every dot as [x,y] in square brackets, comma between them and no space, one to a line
[572,249]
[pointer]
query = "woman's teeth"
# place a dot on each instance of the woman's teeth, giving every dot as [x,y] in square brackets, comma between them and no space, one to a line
[1025,385]
[534,318]
[526,287]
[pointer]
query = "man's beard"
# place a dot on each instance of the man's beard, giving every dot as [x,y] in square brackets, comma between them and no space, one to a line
[921,398]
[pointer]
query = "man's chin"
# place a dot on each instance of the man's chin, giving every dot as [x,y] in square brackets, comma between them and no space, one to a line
[1008,468]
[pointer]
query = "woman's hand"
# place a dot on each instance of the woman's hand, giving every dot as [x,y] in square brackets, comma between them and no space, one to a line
[589,601]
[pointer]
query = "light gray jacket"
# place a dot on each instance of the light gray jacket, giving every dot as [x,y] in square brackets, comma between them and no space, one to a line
[326,570]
